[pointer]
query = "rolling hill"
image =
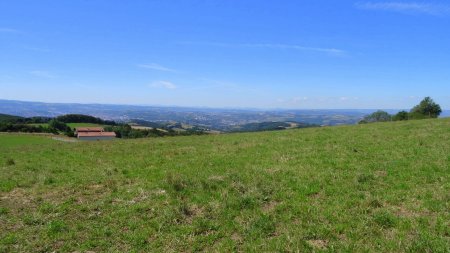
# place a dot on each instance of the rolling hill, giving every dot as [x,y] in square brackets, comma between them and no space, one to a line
[8,118]
[212,118]
[381,187]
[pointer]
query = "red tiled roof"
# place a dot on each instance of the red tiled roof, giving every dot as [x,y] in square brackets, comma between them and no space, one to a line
[89,129]
[97,134]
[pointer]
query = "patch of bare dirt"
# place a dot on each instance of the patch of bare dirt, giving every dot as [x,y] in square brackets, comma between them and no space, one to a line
[285,158]
[381,173]
[317,195]
[270,206]
[273,170]
[217,178]
[17,198]
[159,192]
[343,237]
[236,237]
[318,244]
[405,212]
[191,212]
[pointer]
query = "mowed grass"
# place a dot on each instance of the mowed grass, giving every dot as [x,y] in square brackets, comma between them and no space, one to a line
[8,140]
[368,188]
[74,125]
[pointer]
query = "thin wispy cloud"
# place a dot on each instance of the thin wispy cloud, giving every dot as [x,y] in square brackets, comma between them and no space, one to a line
[154,66]
[299,99]
[410,7]
[43,74]
[331,51]
[9,30]
[297,47]
[163,84]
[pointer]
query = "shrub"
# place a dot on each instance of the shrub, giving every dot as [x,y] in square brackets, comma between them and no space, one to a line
[10,162]
[378,116]
[402,115]
[427,108]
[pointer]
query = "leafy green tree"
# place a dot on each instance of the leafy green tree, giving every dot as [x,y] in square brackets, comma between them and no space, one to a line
[58,125]
[402,115]
[378,116]
[69,132]
[80,118]
[427,108]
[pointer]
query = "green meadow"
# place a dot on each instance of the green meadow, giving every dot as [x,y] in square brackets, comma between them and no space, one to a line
[72,125]
[382,187]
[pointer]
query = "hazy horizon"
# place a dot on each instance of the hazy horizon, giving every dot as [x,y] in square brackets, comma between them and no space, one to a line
[226,54]
[218,108]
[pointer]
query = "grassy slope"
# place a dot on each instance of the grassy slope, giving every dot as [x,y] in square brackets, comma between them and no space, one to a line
[377,187]
[74,125]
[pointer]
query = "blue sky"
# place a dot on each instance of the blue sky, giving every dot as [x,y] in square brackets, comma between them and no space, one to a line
[229,53]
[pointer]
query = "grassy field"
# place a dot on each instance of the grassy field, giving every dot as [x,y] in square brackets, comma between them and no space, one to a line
[39,124]
[72,125]
[381,187]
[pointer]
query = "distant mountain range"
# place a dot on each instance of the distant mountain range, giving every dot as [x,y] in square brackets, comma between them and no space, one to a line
[216,119]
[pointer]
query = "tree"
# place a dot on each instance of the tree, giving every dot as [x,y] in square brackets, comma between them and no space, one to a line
[69,132]
[427,108]
[378,116]
[81,118]
[58,125]
[402,115]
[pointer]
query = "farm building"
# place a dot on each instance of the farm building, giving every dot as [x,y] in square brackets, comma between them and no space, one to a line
[88,130]
[93,134]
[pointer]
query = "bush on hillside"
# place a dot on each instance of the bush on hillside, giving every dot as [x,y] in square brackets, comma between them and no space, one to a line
[24,128]
[378,116]
[427,108]
[402,115]
[61,126]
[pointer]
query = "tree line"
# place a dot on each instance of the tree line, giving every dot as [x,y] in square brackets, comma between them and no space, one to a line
[9,123]
[81,118]
[59,125]
[426,109]
[127,132]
